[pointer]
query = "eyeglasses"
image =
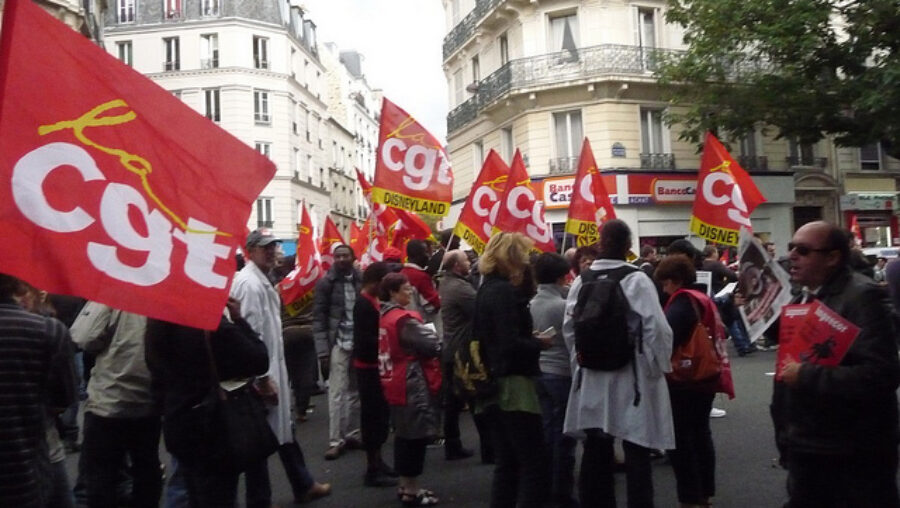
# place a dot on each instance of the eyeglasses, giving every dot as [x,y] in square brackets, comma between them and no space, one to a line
[804,250]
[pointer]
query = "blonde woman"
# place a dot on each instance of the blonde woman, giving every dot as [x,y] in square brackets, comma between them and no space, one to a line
[502,322]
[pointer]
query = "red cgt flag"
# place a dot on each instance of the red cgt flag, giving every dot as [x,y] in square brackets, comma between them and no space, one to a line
[590,206]
[412,170]
[394,225]
[110,187]
[297,288]
[474,224]
[331,238]
[520,211]
[726,196]
[359,238]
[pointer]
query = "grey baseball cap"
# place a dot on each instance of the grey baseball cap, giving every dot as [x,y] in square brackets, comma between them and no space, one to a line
[260,238]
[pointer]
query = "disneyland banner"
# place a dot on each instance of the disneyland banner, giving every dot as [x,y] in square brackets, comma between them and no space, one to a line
[298,286]
[520,211]
[590,206]
[412,170]
[114,188]
[726,196]
[474,224]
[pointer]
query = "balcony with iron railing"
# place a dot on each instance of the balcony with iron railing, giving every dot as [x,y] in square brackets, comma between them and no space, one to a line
[806,162]
[557,68]
[563,166]
[657,161]
[465,29]
[171,65]
[209,63]
[754,162]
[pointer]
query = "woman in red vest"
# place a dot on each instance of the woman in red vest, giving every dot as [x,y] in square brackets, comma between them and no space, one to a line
[408,361]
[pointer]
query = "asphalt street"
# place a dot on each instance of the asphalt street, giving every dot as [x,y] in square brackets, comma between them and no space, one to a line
[745,451]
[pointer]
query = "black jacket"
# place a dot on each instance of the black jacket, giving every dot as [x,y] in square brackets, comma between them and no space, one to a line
[850,408]
[502,322]
[179,362]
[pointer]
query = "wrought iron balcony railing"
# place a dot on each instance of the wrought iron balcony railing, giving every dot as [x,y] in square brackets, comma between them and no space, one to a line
[209,63]
[563,165]
[754,162]
[172,65]
[465,29]
[565,66]
[809,162]
[657,161]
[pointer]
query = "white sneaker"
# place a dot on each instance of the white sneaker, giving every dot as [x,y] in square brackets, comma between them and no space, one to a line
[717,413]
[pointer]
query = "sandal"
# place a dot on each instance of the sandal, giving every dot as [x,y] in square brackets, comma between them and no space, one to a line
[421,498]
[402,492]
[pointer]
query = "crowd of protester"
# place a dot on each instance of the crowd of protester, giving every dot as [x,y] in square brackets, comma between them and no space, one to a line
[384,341]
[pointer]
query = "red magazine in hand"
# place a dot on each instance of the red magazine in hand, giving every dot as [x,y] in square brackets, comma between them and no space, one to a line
[813,333]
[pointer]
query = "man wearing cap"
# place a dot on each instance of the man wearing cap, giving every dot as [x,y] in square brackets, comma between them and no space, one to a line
[261,308]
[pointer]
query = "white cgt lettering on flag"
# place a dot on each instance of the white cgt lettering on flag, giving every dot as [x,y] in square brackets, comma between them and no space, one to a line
[35,167]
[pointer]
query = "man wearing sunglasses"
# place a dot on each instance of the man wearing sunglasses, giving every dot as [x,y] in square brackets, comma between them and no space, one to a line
[840,423]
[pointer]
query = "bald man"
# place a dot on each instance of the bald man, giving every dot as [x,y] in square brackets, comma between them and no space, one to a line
[839,425]
[457,308]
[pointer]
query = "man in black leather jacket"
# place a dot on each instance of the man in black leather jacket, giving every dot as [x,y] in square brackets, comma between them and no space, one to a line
[838,426]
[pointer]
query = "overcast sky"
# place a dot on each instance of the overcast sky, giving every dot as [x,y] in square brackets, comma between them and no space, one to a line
[401,41]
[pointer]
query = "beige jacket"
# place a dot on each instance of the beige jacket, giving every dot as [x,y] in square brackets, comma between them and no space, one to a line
[120,381]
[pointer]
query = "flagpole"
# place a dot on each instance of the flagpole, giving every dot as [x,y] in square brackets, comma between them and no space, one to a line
[446,249]
[562,249]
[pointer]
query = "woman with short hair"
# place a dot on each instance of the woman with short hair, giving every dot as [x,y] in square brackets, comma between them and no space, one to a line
[408,353]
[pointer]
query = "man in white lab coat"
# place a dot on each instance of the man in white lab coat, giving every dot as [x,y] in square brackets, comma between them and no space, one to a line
[261,308]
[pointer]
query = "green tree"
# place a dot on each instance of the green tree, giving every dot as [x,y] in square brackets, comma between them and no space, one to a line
[807,68]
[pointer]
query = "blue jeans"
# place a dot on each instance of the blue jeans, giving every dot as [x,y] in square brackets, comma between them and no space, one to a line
[553,392]
[176,495]
[259,488]
[732,319]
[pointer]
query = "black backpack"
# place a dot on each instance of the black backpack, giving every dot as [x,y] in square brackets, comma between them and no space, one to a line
[602,340]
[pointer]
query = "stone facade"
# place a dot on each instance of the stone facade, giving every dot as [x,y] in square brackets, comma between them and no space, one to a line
[256,69]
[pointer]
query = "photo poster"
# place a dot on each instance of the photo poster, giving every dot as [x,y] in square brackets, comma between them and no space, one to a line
[765,285]
[704,277]
[813,333]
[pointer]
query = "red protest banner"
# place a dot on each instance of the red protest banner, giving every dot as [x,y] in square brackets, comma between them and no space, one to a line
[297,287]
[118,190]
[412,170]
[726,196]
[474,224]
[590,205]
[331,238]
[520,211]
